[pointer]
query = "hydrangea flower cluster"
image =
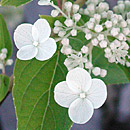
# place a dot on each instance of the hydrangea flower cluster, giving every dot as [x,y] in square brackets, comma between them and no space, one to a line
[3,61]
[104,29]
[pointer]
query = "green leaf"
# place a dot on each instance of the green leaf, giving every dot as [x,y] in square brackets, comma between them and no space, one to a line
[14,2]
[78,41]
[33,94]
[117,74]
[4,86]
[5,40]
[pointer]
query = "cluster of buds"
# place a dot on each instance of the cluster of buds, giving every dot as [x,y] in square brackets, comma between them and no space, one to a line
[70,24]
[123,7]
[104,29]
[95,7]
[3,61]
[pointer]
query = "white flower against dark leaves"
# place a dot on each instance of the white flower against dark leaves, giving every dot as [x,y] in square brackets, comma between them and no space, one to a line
[33,41]
[80,94]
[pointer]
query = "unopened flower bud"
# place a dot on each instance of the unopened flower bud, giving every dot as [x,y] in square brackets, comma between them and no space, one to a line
[65,41]
[103,73]
[75,8]
[57,23]
[54,13]
[77,17]
[96,71]
[74,32]
[69,22]
[84,49]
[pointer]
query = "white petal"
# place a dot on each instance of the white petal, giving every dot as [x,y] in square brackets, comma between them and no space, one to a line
[23,35]
[78,80]
[46,50]
[80,111]
[27,52]
[97,93]
[43,28]
[35,34]
[63,95]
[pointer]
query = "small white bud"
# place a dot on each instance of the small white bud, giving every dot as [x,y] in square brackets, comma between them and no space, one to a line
[122,37]
[68,22]
[103,44]
[125,45]
[88,65]
[68,51]
[94,42]
[112,59]
[107,50]
[75,8]
[88,36]
[100,37]
[84,49]
[86,12]
[96,71]
[4,50]
[68,6]
[91,8]
[104,14]
[117,43]
[126,31]
[98,28]
[121,7]
[56,30]
[3,56]
[97,17]
[65,41]
[90,25]
[103,73]
[77,17]
[74,32]
[115,31]
[9,62]
[123,24]
[128,64]
[58,23]
[108,24]
[61,33]
[113,46]
[54,13]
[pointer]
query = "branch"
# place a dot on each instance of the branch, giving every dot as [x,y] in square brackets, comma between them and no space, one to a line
[80,2]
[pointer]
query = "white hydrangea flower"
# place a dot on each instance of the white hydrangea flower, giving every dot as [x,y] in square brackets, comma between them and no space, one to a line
[44,2]
[33,41]
[80,94]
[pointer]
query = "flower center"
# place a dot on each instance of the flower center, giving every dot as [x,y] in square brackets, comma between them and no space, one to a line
[35,44]
[82,95]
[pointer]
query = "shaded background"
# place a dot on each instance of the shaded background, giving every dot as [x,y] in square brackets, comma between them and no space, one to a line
[114,115]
